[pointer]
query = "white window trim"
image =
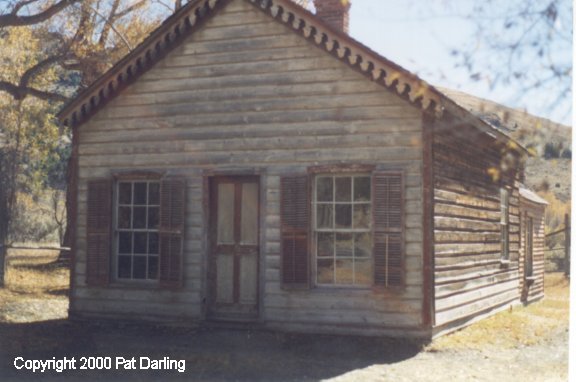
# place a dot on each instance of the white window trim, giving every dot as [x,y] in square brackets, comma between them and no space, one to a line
[505,225]
[116,232]
[335,230]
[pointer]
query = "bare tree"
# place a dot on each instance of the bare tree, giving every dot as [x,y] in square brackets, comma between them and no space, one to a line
[524,43]
[81,40]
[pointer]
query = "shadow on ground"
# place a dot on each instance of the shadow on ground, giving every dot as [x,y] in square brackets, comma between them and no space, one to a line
[210,354]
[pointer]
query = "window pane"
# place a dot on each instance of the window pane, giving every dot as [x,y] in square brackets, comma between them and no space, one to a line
[325,271]
[362,189]
[125,193]
[225,213]
[363,272]
[344,271]
[139,267]
[124,267]
[344,245]
[362,245]
[124,217]
[140,241]
[343,216]
[125,242]
[153,267]
[344,189]
[139,217]
[324,190]
[153,243]
[362,216]
[249,214]
[324,216]
[154,193]
[153,217]
[140,193]
[325,244]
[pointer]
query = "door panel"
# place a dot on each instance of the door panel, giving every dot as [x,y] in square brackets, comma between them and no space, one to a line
[234,231]
[225,278]
[249,214]
[225,213]
[248,279]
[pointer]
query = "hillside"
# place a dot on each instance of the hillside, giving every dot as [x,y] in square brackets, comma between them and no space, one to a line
[550,143]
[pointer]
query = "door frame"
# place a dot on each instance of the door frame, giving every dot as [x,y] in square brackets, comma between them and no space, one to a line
[210,186]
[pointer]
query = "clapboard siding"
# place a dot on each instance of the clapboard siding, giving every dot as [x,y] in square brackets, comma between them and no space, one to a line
[533,290]
[469,275]
[246,93]
[350,306]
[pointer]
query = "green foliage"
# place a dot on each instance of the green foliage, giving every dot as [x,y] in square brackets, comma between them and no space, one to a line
[35,147]
[33,220]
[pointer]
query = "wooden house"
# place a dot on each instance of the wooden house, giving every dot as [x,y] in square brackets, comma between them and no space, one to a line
[251,162]
[532,244]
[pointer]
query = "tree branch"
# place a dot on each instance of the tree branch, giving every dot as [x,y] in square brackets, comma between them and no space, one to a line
[19,93]
[21,4]
[37,69]
[108,23]
[12,19]
[128,10]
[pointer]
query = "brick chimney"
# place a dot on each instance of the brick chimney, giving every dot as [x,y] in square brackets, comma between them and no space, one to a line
[335,13]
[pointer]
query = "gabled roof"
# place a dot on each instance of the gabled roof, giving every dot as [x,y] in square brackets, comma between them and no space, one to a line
[337,43]
[532,196]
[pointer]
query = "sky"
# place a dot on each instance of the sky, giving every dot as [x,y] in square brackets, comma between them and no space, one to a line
[403,32]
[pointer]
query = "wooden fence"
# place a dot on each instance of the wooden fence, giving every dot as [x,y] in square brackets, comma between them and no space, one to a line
[557,241]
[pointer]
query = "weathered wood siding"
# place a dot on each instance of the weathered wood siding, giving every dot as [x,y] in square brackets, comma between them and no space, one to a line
[531,291]
[246,93]
[469,276]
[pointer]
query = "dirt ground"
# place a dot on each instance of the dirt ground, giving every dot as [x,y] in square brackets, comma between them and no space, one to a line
[525,344]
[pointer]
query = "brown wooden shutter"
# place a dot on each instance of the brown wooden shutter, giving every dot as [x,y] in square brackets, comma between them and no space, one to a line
[98,232]
[295,226]
[388,206]
[172,218]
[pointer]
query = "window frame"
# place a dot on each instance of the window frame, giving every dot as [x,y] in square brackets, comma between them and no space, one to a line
[334,173]
[132,179]
[505,225]
[529,246]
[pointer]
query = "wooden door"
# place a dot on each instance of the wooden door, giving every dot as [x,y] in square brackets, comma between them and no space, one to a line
[234,232]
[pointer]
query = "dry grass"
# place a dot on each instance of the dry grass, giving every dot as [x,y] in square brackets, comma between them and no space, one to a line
[517,327]
[34,273]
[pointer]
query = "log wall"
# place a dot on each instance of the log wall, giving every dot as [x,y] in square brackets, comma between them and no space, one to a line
[469,276]
[533,288]
[245,94]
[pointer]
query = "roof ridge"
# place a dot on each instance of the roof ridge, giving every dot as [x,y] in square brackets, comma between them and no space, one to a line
[191,16]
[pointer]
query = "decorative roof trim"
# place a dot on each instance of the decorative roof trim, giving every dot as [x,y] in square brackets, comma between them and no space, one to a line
[193,15]
[161,41]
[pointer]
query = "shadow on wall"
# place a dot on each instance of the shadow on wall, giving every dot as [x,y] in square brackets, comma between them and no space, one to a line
[210,354]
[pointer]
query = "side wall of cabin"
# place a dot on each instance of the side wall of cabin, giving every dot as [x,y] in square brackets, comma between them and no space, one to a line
[245,94]
[470,277]
[532,285]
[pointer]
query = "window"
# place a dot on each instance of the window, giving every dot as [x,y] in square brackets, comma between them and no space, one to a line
[343,229]
[137,234]
[135,230]
[529,263]
[504,223]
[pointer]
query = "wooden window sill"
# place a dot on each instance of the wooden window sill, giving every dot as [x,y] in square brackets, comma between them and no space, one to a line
[505,263]
[530,280]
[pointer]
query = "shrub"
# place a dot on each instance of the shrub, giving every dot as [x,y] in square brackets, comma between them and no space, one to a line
[552,150]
